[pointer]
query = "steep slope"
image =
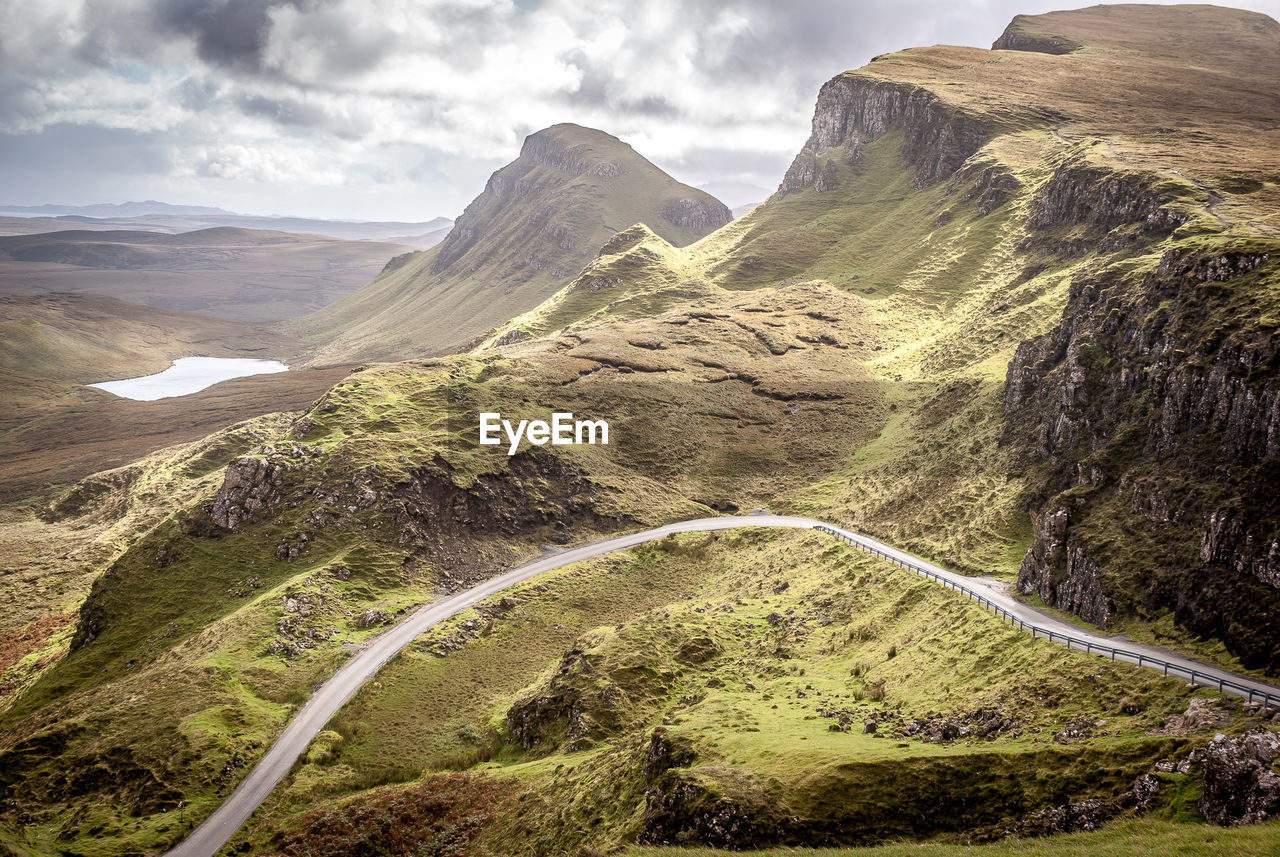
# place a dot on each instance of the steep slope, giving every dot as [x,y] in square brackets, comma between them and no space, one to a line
[538,222]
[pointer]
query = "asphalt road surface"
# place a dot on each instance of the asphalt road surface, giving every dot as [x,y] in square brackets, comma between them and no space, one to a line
[218,828]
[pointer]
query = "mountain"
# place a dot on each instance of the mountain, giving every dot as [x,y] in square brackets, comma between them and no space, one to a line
[252,275]
[540,219]
[121,209]
[1014,310]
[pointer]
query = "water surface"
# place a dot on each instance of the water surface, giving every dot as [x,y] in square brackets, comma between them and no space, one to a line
[189,375]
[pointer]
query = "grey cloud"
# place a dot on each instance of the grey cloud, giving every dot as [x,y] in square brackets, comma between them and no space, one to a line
[227,33]
[286,111]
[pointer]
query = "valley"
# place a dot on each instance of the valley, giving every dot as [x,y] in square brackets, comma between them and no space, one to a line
[1010,319]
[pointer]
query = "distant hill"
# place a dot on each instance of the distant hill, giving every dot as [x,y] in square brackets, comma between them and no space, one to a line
[120,209]
[226,271]
[420,234]
[539,221]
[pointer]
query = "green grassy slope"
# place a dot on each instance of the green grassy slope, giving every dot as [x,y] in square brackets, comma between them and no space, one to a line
[539,220]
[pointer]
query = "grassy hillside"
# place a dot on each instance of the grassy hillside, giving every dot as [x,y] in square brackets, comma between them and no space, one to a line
[1002,312]
[253,275]
[540,219]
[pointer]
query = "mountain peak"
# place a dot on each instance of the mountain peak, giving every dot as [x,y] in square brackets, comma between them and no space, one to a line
[539,221]
[577,150]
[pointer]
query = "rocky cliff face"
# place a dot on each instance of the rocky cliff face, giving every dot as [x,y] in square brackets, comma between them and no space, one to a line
[1079,194]
[854,109]
[1021,35]
[704,215]
[1154,409]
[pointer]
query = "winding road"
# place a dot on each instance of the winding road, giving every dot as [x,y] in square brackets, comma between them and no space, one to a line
[221,825]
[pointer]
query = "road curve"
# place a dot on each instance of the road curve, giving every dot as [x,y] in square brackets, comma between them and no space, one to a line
[221,825]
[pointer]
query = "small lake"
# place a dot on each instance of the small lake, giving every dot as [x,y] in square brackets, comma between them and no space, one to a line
[189,375]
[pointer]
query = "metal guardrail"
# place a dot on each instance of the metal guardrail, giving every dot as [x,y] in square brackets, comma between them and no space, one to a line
[1194,676]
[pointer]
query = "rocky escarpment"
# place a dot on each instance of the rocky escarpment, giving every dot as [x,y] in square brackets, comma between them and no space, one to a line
[1020,35]
[854,109]
[535,493]
[1154,410]
[1079,194]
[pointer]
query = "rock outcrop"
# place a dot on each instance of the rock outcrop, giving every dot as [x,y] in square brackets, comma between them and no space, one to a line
[1080,194]
[250,489]
[1021,35]
[1062,573]
[1240,782]
[598,689]
[854,109]
[714,806]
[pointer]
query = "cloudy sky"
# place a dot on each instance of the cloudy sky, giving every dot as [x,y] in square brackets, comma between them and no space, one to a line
[399,109]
